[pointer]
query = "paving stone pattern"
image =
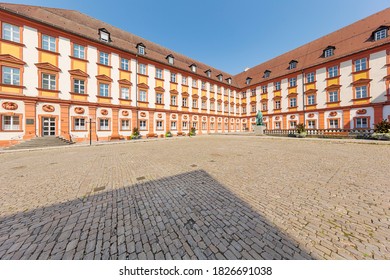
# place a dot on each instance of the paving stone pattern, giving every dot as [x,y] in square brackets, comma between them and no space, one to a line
[209,197]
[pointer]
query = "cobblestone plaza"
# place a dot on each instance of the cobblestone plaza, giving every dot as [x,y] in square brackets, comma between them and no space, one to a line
[208,197]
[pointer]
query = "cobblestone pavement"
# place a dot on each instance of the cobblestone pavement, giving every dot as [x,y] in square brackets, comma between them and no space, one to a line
[209,197]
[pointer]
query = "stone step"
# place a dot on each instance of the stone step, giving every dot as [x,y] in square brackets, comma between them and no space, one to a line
[41,142]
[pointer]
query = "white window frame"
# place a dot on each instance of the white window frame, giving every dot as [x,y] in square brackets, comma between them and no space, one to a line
[14,123]
[360,64]
[310,77]
[195,103]
[104,124]
[159,73]
[11,76]
[49,81]
[173,100]
[184,102]
[142,69]
[380,34]
[311,124]
[311,99]
[361,92]
[78,51]
[159,98]
[333,96]
[159,125]
[333,123]
[361,122]
[104,90]
[125,93]
[292,82]
[48,43]
[194,83]
[79,86]
[79,124]
[124,64]
[328,52]
[184,80]
[11,32]
[277,104]
[173,77]
[103,58]
[141,50]
[333,71]
[185,125]
[173,125]
[142,96]
[277,85]
[125,124]
[293,102]
[142,125]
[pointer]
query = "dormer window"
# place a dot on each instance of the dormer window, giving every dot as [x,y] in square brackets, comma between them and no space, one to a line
[267,73]
[208,73]
[104,35]
[248,80]
[170,59]
[220,77]
[141,48]
[329,51]
[229,80]
[193,67]
[381,33]
[292,64]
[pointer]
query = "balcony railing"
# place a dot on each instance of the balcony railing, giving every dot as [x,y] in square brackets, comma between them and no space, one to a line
[353,133]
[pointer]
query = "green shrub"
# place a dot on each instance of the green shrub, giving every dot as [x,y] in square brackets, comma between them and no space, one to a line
[382,127]
[192,131]
[300,128]
[168,134]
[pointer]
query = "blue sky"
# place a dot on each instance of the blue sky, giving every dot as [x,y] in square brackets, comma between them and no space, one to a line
[229,35]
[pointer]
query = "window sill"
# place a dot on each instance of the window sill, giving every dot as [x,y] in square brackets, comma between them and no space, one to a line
[361,71]
[11,130]
[330,78]
[104,97]
[48,51]
[79,130]
[143,75]
[105,65]
[310,83]
[12,86]
[79,59]
[12,42]
[364,98]
[50,90]
[160,79]
[127,71]
[104,130]
[78,94]
[333,102]
[159,104]
[124,99]
[315,104]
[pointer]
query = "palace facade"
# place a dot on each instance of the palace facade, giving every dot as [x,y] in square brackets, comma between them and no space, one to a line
[66,74]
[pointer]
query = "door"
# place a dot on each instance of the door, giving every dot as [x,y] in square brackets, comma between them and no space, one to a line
[48,126]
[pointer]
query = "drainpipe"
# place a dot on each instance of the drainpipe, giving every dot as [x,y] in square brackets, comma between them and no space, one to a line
[136,88]
[303,97]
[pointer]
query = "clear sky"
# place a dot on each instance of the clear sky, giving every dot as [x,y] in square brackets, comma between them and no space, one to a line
[227,34]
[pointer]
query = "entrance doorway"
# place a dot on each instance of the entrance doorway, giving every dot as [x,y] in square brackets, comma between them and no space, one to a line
[48,126]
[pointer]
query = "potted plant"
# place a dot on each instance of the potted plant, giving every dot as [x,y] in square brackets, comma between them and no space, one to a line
[192,131]
[301,130]
[168,134]
[382,130]
[135,134]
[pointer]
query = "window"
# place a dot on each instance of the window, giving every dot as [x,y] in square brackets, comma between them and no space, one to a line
[194,83]
[292,82]
[203,85]
[248,80]
[328,52]
[267,73]
[104,124]
[125,124]
[361,92]
[159,73]
[277,125]
[10,123]
[219,126]
[11,32]
[125,93]
[360,64]
[141,49]
[311,99]
[208,73]
[229,80]
[310,77]
[79,124]
[103,58]
[195,125]
[219,107]
[184,102]
[277,85]
[173,100]
[333,72]
[277,104]
[253,109]
[142,69]
[78,51]
[264,89]
[159,125]
[204,104]
[362,123]
[48,81]
[333,123]
[243,94]
[142,125]
[185,125]
[48,43]
[218,89]
[193,67]
[173,126]
[380,34]
[173,78]
[184,80]
[11,76]
[170,59]
[211,87]
[104,35]
[253,92]
[311,124]
[293,124]
[293,64]
[220,77]
[142,96]
[103,90]
[159,98]
[264,106]
[124,64]
[78,86]
[333,96]
[293,102]
[212,106]
[204,125]
[194,103]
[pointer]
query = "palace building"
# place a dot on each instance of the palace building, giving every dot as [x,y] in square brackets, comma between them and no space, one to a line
[66,74]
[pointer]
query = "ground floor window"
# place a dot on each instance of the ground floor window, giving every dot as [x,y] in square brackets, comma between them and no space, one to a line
[10,123]
[159,125]
[293,124]
[226,126]
[79,124]
[212,126]
[219,126]
[195,125]
[333,123]
[125,124]
[142,125]
[185,125]
[104,124]
[311,124]
[204,125]
[173,126]
[362,123]
[277,125]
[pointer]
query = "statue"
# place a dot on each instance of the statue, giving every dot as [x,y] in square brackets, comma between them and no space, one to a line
[259,118]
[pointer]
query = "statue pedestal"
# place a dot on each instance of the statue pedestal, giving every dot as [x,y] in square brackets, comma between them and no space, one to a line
[259,130]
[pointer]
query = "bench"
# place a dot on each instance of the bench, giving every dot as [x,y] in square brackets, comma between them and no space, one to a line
[116,137]
[151,135]
[338,133]
[181,134]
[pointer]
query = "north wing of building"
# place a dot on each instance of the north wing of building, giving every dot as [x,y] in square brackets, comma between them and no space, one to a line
[61,70]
